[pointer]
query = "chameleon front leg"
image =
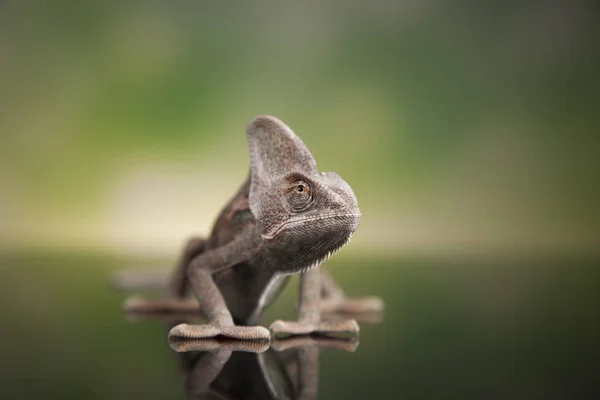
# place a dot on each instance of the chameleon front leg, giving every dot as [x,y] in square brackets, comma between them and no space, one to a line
[334,300]
[213,306]
[210,300]
[309,314]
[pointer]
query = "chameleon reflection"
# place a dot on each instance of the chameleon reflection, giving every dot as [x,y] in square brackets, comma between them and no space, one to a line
[288,369]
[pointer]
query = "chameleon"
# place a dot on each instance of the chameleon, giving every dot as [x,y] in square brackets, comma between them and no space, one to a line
[286,218]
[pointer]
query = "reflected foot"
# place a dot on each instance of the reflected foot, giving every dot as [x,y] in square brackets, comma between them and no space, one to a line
[186,331]
[140,305]
[292,328]
[347,344]
[353,305]
[185,345]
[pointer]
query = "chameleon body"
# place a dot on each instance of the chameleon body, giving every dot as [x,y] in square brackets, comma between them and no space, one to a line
[286,219]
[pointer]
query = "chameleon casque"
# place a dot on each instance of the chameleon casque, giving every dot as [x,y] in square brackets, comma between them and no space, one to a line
[286,219]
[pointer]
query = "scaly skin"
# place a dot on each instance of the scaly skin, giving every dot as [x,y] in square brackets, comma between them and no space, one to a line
[287,218]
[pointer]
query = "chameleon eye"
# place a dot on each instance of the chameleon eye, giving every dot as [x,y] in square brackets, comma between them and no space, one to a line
[299,196]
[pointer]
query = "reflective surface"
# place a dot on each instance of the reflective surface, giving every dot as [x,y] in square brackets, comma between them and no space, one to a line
[472,327]
[286,369]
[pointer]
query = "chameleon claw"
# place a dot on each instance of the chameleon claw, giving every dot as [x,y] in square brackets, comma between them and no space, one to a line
[186,331]
[249,346]
[292,328]
[246,333]
[347,327]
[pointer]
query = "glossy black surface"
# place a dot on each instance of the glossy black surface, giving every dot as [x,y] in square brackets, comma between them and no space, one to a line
[478,327]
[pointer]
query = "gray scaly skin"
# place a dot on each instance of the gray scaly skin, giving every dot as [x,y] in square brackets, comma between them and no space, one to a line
[286,219]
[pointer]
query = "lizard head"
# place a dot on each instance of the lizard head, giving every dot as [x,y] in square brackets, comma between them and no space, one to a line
[303,216]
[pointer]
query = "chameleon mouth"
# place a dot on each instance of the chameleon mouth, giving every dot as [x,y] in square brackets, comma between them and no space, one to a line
[307,219]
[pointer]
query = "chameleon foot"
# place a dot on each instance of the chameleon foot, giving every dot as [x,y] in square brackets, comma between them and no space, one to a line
[249,346]
[292,328]
[186,331]
[352,305]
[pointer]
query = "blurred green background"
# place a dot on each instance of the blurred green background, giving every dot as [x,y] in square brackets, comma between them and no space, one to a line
[458,126]
[467,131]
